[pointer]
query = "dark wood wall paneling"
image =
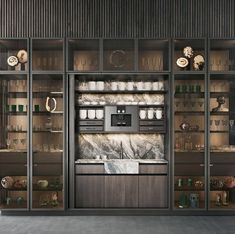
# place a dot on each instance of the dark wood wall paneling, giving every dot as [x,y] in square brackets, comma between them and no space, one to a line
[189,18]
[117,18]
[221,21]
[14,18]
[47,18]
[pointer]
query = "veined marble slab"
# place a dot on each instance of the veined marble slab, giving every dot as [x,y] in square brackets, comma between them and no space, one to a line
[121,167]
[121,146]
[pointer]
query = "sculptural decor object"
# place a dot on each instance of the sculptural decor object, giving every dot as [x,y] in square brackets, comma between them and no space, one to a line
[221,102]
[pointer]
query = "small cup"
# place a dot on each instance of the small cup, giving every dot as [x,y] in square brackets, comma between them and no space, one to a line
[20,108]
[160,85]
[91,114]
[121,85]
[114,85]
[104,157]
[83,114]
[159,113]
[13,108]
[147,85]
[36,108]
[7,108]
[130,85]
[92,85]
[150,113]
[142,114]
[97,157]
[99,113]
[139,85]
[155,85]
[100,85]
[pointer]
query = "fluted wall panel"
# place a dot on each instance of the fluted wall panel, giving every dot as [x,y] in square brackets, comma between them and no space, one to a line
[189,18]
[118,18]
[47,18]
[221,18]
[14,18]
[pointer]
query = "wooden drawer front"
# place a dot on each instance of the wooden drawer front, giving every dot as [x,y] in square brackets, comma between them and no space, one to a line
[45,158]
[121,191]
[151,128]
[222,170]
[47,169]
[222,158]
[153,169]
[91,128]
[189,169]
[151,123]
[89,191]
[153,192]
[13,170]
[91,123]
[89,169]
[13,158]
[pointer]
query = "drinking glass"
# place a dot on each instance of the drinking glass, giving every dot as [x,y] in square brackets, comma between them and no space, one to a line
[8,143]
[217,123]
[15,143]
[211,124]
[231,123]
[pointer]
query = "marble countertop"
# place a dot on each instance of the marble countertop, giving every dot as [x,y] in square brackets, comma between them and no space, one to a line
[141,161]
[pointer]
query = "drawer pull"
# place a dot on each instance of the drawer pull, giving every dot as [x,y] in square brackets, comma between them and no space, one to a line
[35,164]
[211,165]
[25,165]
[202,165]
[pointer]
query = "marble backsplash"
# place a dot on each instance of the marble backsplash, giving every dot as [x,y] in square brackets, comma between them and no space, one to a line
[121,99]
[124,146]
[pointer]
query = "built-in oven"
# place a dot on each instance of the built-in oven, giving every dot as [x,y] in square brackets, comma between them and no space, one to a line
[121,119]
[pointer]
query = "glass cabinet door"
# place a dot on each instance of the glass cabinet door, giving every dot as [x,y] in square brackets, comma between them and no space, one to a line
[13,124]
[189,134]
[47,108]
[222,141]
[48,129]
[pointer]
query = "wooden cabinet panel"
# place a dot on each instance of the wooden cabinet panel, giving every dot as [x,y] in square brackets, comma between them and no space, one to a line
[48,157]
[189,169]
[13,157]
[89,169]
[153,169]
[13,170]
[121,191]
[89,191]
[153,191]
[47,169]
[222,169]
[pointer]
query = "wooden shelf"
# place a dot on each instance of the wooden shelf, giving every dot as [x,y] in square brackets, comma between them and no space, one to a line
[121,91]
[189,112]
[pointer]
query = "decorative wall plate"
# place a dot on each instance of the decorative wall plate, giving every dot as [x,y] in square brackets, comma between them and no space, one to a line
[182,62]
[22,56]
[12,61]
[117,58]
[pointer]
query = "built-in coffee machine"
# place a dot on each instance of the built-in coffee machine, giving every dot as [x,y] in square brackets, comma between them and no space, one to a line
[121,119]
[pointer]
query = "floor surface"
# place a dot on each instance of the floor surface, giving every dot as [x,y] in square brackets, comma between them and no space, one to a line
[117,225]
